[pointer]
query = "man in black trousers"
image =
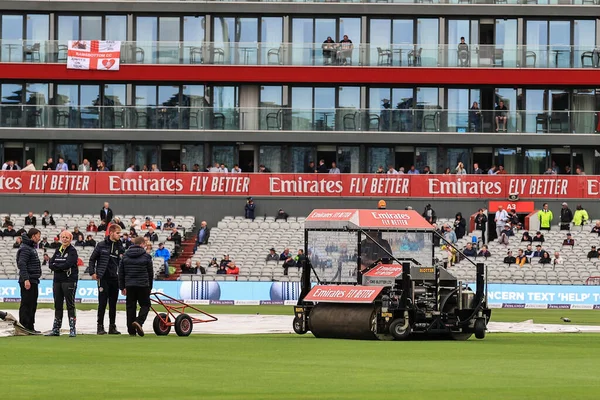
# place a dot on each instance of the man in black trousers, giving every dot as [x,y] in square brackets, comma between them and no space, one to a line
[30,271]
[104,265]
[135,281]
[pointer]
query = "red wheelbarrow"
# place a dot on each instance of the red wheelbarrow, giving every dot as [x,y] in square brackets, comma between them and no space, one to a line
[183,322]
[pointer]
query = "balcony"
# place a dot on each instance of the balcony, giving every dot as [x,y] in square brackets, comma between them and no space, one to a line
[320,54]
[423,118]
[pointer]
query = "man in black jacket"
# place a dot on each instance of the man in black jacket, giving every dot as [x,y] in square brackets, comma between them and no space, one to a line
[106,213]
[64,265]
[30,271]
[135,281]
[104,265]
[30,219]
[481,223]
[566,216]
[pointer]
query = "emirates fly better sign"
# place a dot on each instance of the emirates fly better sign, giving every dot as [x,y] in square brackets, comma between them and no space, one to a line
[94,54]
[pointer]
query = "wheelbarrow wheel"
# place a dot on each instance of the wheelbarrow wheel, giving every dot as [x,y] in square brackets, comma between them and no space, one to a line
[160,328]
[183,325]
[298,325]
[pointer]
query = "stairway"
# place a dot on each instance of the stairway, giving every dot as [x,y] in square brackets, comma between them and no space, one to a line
[186,251]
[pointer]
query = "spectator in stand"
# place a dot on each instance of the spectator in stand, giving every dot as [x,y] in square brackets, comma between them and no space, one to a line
[558,260]
[249,208]
[9,232]
[131,168]
[80,241]
[152,237]
[460,169]
[55,243]
[213,263]
[426,170]
[134,223]
[460,226]
[449,235]
[85,166]
[545,216]
[18,241]
[484,252]
[126,240]
[569,241]
[501,170]
[187,267]
[175,237]
[10,166]
[380,170]
[117,220]
[526,237]
[166,255]
[30,219]
[203,234]
[505,234]
[7,222]
[481,223]
[272,256]
[149,248]
[334,169]
[539,252]
[222,270]
[102,227]
[91,227]
[529,252]
[501,218]
[169,225]
[46,259]
[199,269]
[236,169]
[501,116]
[391,170]
[233,269]
[225,260]
[344,51]
[282,215]
[148,224]
[566,217]
[469,251]
[568,170]
[43,244]
[521,259]
[545,259]
[132,234]
[592,254]
[263,170]
[322,169]
[62,165]
[89,241]
[596,228]
[581,216]
[413,170]
[429,214]
[285,255]
[492,170]
[289,262]
[509,259]
[476,169]
[76,232]
[538,237]
[106,213]
[310,168]
[48,165]
[29,165]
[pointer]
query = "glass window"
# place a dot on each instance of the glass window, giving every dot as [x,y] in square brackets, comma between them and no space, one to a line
[225,105]
[271,36]
[144,156]
[270,105]
[115,157]
[537,42]
[69,152]
[379,157]
[37,152]
[12,36]
[115,27]
[196,113]
[508,159]
[560,44]
[427,156]
[302,33]
[427,41]
[191,155]
[223,155]
[36,97]
[584,41]
[146,34]
[454,156]
[506,40]
[535,161]
[11,95]
[114,113]
[460,102]
[91,28]
[380,36]
[270,157]
[351,27]
[302,113]
[168,36]
[348,108]
[301,156]
[509,97]
[348,160]
[585,104]
[193,37]
[324,106]
[456,30]
[68,28]
[37,31]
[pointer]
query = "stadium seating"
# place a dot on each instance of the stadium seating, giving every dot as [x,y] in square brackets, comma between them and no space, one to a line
[8,267]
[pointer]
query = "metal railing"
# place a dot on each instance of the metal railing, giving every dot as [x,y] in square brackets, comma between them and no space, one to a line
[422,118]
[321,54]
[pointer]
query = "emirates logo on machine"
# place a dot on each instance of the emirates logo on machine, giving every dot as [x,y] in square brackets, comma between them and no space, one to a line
[391,218]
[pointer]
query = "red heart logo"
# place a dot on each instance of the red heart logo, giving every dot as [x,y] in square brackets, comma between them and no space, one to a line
[108,63]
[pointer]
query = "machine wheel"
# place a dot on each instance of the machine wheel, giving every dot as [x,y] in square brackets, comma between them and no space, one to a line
[460,336]
[397,331]
[183,325]
[480,328]
[160,328]
[299,326]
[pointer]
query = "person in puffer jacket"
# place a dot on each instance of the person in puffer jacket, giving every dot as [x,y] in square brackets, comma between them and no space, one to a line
[30,271]
[136,275]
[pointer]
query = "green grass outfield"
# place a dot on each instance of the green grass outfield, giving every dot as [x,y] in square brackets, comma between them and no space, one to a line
[578,317]
[287,367]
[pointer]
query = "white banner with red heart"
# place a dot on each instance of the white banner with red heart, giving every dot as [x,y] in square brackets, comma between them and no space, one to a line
[102,55]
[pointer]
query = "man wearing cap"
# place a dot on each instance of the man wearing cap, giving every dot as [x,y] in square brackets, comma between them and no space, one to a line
[500,218]
[593,253]
[104,265]
[545,216]
[538,251]
[569,241]
[505,234]
[169,225]
[164,253]
[249,208]
[381,205]
[272,256]
[203,234]
[282,215]
[566,216]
